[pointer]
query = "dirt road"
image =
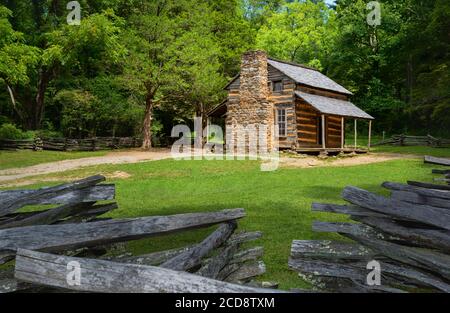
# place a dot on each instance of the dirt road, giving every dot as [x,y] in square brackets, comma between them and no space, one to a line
[66,165]
[8,176]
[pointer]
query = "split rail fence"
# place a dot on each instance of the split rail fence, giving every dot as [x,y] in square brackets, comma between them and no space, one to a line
[404,140]
[408,234]
[65,144]
[43,243]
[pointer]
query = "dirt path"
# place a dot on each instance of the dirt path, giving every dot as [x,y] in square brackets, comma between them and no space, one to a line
[66,165]
[8,176]
[344,161]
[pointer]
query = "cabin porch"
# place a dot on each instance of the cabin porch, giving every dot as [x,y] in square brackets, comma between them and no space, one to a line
[325,134]
[321,124]
[331,151]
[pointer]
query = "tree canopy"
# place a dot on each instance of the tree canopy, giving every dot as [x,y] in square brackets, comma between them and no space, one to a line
[138,67]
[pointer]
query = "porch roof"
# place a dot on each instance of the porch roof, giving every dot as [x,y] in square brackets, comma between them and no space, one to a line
[219,110]
[333,106]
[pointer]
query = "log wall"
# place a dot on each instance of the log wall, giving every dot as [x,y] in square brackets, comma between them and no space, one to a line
[285,99]
[324,93]
[333,126]
[303,121]
[307,125]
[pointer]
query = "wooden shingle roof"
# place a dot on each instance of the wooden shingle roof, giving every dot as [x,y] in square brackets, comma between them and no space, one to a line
[307,76]
[333,106]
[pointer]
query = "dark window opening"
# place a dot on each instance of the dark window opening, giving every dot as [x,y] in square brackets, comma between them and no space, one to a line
[277,86]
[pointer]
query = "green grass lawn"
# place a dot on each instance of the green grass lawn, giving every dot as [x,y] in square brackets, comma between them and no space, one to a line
[277,203]
[23,158]
[418,150]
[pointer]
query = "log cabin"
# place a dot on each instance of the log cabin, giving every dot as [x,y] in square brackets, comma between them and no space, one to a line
[308,108]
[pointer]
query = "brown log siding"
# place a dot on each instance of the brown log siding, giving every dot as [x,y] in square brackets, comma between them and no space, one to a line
[307,121]
[303,120]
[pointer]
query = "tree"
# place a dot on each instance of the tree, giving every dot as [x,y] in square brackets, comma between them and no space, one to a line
[198,69]
[143,60]
[173,58]
[400,76]
[97,106]
[300,32]
[258,11]
[16,58]
[82,49]
[231,32]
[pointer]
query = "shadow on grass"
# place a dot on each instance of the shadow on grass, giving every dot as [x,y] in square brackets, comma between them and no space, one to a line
[330,193]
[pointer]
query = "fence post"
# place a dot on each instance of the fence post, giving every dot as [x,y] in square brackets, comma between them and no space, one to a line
[38,144]
[402,140]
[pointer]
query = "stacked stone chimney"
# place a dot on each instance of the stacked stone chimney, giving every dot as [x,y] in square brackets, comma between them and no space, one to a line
[253,106]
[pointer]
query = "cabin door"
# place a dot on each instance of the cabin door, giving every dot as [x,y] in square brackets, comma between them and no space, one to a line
[319,130]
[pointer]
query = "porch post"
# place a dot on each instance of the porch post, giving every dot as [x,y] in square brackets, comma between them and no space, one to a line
[370,134]
[356,132]
[323,132]
[342,133]
[208,123]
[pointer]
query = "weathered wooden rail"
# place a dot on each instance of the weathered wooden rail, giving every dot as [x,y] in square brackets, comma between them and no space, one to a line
[444,172]
[408,234]
[106,276]
[67,144]
[438,161]
[405,140]
[76,227]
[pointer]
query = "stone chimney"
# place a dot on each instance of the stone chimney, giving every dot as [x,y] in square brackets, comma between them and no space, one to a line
[254,108]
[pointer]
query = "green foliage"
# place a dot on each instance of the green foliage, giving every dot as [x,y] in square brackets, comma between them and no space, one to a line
[257,11]
[53,53]
[90,47]
[10,131]
[46,133]
[79,112]
[100,108]
[301,32]
[16,58]
[174,56]
[116,112]
[398,71]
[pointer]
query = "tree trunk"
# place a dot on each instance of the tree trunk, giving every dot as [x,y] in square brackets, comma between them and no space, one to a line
[147,126]
[44,78]
[409,79]
[202,113]
[13,101]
